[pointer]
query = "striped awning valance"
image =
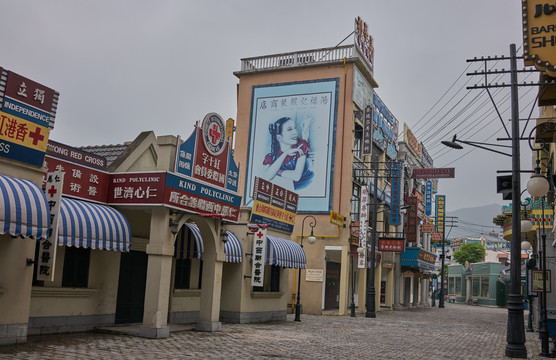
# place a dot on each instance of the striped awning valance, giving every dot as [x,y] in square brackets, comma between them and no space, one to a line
[232,248]
[24,208]
[284,253]
[189,244]
[88,225]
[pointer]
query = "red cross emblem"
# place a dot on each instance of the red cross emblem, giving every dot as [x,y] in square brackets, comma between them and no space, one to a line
[36,136]
[214,133]
[260,234]
[52,191]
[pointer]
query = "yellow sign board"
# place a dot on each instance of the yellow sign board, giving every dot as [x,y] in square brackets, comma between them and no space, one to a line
[337,219]
[539,35]
[23,132]
[273,212]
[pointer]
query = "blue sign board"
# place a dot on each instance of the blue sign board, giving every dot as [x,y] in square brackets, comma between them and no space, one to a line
[428,198]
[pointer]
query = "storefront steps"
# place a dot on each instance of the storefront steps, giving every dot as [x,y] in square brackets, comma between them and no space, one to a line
[134,329]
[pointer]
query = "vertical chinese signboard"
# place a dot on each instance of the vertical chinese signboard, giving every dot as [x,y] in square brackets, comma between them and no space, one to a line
[26,116]
[412,219]
[395,195]
[363,214]
[428,198]
[368,131]
[273,205]
[440,213]
[259,255]
[47,247]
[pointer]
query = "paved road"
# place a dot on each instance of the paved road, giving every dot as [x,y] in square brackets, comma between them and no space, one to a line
[455,332]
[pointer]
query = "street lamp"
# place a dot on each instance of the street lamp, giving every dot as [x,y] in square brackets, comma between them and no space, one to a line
[311,239]
[360,251]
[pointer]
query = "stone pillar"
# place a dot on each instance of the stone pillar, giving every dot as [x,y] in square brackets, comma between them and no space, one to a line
[160,251]
[344,280]
[415,302]
[406,291]
[209,314]
[468,289]
[397,280]
[424,292]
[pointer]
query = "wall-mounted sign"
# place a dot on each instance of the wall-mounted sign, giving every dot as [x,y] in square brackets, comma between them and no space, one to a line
[536,281]
[46,260]
[440,213]
[27,114]
[337,219]
[314,275]
[80,182]
[368,131]
[230,131]
[204,155]
[391,244]
[433,173]
[428,198]
[427,228]
[78,156]
[363,215]
[274,205]
[259,256]
[395,196]
[411,233]
[539,34]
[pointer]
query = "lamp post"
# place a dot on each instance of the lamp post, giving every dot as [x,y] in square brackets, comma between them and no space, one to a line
[360,250]
[311,239]
[371,301]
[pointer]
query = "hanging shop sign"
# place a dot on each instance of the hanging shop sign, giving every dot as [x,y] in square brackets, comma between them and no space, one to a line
[428,198]
[433,173]
[368,131]
[411,233]
[536,281]
[391,244]
[259,254]
[47,247]
[427,228]
[539,35]
[337,219]
[395,216]
[440,213]
[230,131]
[206,155]
[27,114]
[363,215]
[273,205]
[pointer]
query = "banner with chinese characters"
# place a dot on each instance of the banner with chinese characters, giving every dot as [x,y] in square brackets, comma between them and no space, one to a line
[46,259]
[368,131]
[428,198]
[440,213]
[395,216]
[259,255]
[363,215]
[207,156]
[411,233]
[391,244]
[273,205]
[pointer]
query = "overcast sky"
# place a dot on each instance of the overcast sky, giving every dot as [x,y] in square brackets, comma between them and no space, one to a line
[123,67]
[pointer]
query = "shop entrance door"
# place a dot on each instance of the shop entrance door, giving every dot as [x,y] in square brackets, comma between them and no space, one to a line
[131,287]
[332,286]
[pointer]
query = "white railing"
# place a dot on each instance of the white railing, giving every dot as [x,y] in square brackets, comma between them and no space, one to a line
[299,58]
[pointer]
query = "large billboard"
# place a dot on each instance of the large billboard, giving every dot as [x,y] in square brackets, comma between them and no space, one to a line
[291,140]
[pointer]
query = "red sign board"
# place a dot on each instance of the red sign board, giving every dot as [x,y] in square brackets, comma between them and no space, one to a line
[434,173]
[436,236]
[391,244]
[75,155]
[412,219]
[29,92]
[80,181]
[426,256]
[140,188]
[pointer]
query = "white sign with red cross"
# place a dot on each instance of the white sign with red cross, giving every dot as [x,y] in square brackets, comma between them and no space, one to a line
[214,133]
[259,254]
[47,247]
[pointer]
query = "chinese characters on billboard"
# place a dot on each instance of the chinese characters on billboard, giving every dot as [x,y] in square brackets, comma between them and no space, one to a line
[290,141]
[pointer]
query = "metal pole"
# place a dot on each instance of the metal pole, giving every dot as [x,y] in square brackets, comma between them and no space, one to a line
[515,332]
[352,288]
[371,306]
[543,330]
[441,299]
[297,303]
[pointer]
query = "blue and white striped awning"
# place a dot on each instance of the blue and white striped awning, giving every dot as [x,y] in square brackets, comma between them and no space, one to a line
[285,253]
[88,225]
[24,209]
[232,248]
[189,244]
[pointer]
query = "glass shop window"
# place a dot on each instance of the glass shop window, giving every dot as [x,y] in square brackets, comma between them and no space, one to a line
[188,274]
[76,267]
[271,280]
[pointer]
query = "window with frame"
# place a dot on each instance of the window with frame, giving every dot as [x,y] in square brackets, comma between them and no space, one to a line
[271,282]
[358,141]
[185,270]
[355,202]
[458,285]
[76,267]
[451,287]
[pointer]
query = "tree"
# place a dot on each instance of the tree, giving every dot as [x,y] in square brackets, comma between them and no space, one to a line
[473,253]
